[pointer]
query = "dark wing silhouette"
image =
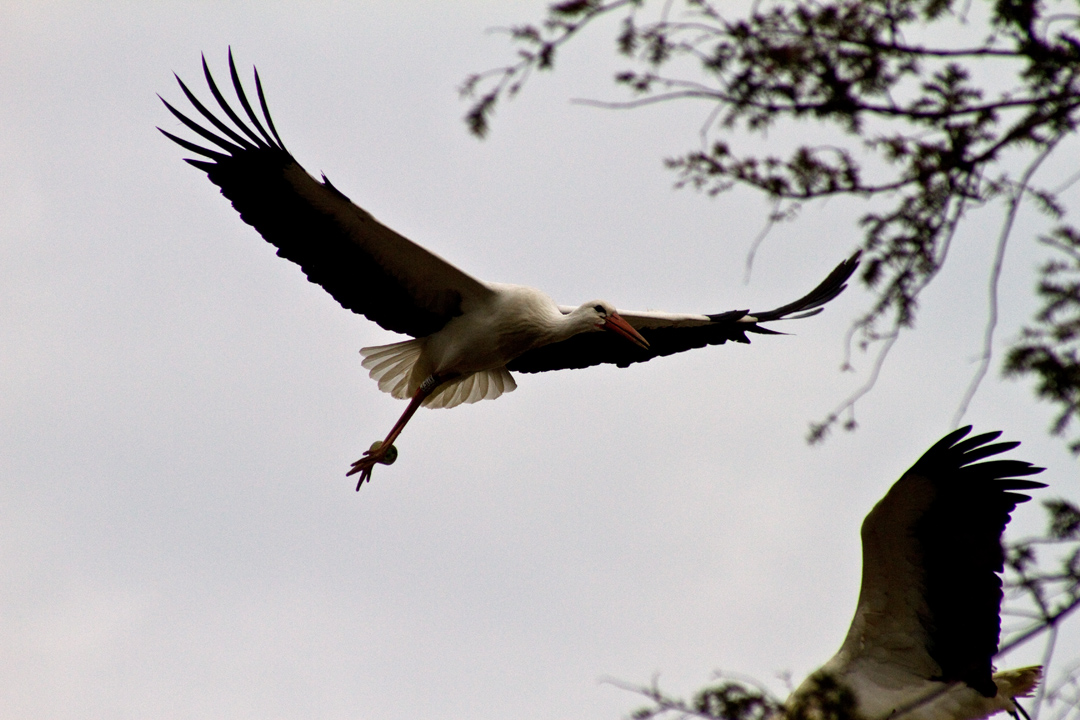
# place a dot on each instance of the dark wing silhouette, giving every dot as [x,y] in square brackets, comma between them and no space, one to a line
[670,333]
[931,561]
[364,265]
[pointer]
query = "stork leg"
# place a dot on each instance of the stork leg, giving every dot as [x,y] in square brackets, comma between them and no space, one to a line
[366,464]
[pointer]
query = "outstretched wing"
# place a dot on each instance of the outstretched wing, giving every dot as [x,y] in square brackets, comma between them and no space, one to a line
[364,265]
[670,333]
[931,593]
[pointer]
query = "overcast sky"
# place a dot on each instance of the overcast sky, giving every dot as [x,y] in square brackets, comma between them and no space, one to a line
[179,405]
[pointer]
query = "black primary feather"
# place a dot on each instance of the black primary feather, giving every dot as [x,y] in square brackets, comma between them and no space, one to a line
[959,538]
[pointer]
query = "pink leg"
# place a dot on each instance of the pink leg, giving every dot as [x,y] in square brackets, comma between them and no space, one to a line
[366,464]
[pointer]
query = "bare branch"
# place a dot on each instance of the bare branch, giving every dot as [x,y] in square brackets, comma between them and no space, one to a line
[995,276]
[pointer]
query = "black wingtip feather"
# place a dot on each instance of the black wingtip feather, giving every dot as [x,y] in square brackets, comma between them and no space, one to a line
[808,313]
[242,96]
[834,284]
[228,108]
[206,167]
[206,134]
[953,453]
[265,109]
[253,139]
[222,127]
[193,147]
[952,437]
[979,453]
[976,441]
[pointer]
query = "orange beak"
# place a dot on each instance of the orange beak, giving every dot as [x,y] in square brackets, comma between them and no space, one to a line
[616,324]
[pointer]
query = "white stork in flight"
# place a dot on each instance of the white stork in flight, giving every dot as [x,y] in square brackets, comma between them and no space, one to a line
[468,334]
[928,618]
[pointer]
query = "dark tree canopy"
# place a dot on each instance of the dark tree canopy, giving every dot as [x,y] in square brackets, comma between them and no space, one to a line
[933,108]
[917,126]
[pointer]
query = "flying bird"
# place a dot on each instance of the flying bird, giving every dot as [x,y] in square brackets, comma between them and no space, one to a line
[468,334]
[928,618]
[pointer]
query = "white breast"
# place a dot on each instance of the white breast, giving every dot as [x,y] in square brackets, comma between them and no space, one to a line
[492,333]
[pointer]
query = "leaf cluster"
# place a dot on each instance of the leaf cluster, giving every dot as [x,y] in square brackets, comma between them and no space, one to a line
[729,700]
[820,697]
[1050,348]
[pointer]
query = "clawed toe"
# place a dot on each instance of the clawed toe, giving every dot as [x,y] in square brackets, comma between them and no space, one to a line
[374,454]
[365,473]
[367,461]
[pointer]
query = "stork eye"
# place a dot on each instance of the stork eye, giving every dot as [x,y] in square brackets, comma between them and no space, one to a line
[600,309]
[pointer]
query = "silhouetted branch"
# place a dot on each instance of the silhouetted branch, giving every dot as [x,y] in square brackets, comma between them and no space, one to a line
[995,277]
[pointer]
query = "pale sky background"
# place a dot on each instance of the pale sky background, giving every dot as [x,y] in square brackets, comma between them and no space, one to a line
[179,406]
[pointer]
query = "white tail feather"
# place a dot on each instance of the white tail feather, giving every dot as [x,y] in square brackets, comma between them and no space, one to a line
[392,367]
[483,385]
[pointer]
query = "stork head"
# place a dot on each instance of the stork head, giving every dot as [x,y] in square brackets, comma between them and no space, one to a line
[604,317]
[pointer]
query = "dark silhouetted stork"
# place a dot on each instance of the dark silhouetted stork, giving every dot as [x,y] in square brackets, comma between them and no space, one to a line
[928,618]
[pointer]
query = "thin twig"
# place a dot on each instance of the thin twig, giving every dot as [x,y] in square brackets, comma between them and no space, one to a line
[817,429]
[1048,655]
[769,222]
[995,277]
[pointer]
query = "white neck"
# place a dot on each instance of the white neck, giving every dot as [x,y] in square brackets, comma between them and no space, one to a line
[582,319]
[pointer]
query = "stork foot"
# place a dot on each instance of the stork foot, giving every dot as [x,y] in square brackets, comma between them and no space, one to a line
[375,454]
